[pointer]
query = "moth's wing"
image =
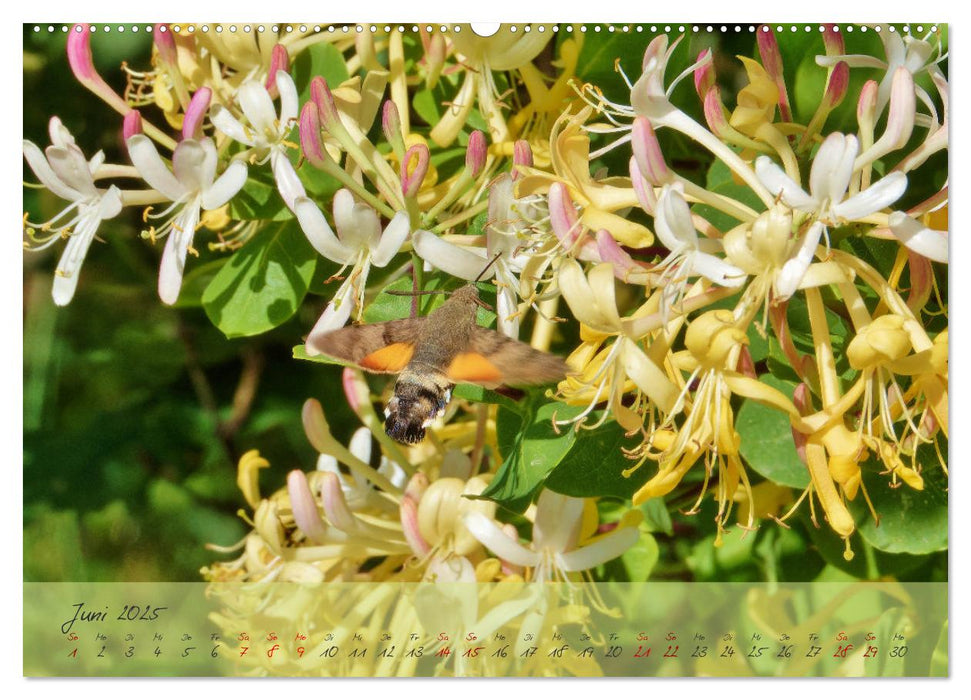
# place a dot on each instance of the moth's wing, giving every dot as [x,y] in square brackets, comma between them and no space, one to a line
[377,347]
[493,359]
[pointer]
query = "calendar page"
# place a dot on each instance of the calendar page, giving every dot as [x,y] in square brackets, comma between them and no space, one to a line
[534,349]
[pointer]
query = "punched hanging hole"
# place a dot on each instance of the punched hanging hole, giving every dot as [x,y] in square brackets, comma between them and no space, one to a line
[485,29]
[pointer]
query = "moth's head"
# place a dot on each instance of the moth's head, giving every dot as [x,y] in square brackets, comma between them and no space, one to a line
[410,411]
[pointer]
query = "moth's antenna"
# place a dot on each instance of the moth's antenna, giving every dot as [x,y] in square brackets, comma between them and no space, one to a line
[486,268]
[406,293]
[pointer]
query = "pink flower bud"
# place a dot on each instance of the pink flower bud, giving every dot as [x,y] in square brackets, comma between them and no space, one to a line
[839,81]
[715,113]
[165,44]
[643,190]
[279,60]
[131,125]
[563,215]
[522,155]
[409,514]
[335,505]
[769,51]
[866,106]
[647,152]
[414,167]
[355,389]
[391,125]
[195,113]
[833,40]
[704,73]
[310,141]
[610,251]
[324,99]
[82,65]
[305,512]
[475,153]
[772,62]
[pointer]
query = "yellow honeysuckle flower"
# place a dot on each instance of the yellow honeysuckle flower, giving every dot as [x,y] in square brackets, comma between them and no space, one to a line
[599,200]
[606,371]
[480,56]
[714,342]
[535,120]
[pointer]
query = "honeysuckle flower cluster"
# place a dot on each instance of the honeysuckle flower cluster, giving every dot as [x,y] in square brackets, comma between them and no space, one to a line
[445,157]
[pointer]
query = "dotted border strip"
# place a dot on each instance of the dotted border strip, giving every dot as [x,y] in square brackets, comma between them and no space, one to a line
[526,28]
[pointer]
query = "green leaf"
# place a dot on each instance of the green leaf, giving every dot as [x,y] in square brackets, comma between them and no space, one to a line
[259,200]
[323,59]
[767,443]
[720,180]
[595,465]
[656,516]
[195,282]
[911,521]
[530,447]
[479,394]
[300,353]
[263,283]
[636,564]
[426,106]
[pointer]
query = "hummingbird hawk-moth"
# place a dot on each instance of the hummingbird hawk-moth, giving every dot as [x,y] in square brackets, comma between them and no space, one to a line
[431,355]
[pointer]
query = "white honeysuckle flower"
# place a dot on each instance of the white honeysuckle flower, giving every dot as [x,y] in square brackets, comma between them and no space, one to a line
[508,233]
[826,202]
[556,529]
[266,132]
[192,186]
[676,231]
[359,243]
[63,169]
[358,491]
[908,52]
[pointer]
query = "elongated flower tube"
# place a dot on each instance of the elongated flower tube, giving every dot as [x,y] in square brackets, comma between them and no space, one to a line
[919,237]
[192,186]
[900,120]
[195,114]
[131,125]
[704,73]
[279,61]
[165,44]
[305,512]
[772,62]
[647,153]
[82,65]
